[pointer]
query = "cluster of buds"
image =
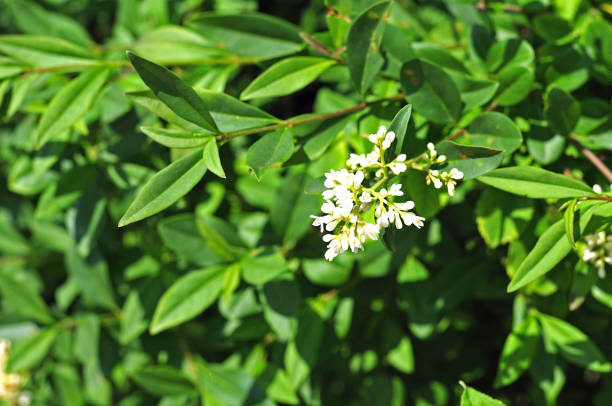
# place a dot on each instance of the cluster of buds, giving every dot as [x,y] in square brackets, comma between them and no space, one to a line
[598,251]
[347,198]
[10,383]
[439,179]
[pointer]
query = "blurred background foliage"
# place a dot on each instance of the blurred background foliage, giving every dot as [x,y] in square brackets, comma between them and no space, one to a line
[284,326]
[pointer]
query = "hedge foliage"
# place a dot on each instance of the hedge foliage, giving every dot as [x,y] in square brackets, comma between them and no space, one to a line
[160,162]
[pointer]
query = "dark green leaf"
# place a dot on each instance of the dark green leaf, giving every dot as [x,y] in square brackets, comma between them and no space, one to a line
[493,130]
[171,90]
[253,35]
[364,56]
[574,345]
[431,91]
[562,111]
[163,381]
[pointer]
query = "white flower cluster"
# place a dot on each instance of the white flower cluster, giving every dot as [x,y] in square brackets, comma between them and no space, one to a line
[347,199]
[449,179]
[10,383]
[598,251]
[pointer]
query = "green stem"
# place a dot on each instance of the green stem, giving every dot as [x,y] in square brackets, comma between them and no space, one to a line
[312,119]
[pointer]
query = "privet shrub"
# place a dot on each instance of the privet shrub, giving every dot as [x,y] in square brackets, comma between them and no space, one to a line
[157,207]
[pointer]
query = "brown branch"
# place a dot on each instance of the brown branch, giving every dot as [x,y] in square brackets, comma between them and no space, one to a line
[320,117]
[598,163]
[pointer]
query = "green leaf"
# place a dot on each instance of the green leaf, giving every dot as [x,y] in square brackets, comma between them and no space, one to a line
[326,273]
[221,384]
[325,135]
[68,384]
[286,77]
[280,299]
[211,158]
[92,278]
[401,357]
[551,28]
[189,296]
[221,237]
[133,322]
[262,269]
[536,183]
[543,145]
[36,20]
[166,187]
[22,298]
[472,161]
[171,90]
[175,138]
[515,83]
[569,217]
[550,249]
[437,55]
[231,114]
[365,35]
[431,91]
[173,45]
[518,352]
[562,111]
[30,351]
[292,208]
[509,52]
[502,217]
[45,52]
[474,92]
[399,125]
[163,380]
[471,397]
[303,351]
[181,234]
[70,104]
[493,130]
[253,35]
[272,148]
[574,345]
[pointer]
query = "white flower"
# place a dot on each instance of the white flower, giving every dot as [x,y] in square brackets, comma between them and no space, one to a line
[456,174]
[598,251]
[396,190]
[365,197]
[398,167]
[597,189]
[348,196]
[389,138]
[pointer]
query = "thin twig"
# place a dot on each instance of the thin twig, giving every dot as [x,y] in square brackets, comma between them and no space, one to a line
[598,163]
[320,117]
